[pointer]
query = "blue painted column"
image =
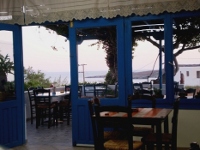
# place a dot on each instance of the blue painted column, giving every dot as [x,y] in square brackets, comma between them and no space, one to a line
[169,68]
[128,56]
[74,78]
[160,64]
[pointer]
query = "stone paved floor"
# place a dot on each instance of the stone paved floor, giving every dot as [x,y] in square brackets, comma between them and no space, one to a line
[55,138]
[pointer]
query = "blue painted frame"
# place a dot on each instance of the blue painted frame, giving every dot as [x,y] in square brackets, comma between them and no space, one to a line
[12,112]
[79,106]
[128,38]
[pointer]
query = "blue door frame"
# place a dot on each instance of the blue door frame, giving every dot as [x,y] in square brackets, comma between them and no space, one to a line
[12,112]
[167,20]
[82,131]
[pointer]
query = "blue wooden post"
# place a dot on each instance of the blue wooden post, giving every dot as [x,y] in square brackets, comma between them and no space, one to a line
[160,64]
[169,68]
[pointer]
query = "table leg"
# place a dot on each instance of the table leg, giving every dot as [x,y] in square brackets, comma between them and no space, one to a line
[166,130]
[158,136]
[166,125]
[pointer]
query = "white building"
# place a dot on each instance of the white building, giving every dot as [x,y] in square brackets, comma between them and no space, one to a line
[191,74]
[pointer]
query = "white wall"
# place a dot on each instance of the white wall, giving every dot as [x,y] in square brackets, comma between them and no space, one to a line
[192,79]
[188,127]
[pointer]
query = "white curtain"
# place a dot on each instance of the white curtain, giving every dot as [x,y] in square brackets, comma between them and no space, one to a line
[38,11]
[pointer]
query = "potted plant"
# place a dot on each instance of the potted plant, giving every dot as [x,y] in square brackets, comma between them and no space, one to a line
[158,93]
[6,66]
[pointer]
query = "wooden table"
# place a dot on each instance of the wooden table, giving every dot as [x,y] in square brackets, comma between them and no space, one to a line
[57,94]
[148,116]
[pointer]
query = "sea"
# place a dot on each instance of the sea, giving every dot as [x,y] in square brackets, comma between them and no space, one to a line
[90,77]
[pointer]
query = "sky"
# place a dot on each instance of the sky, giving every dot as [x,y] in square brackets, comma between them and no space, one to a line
[38,44]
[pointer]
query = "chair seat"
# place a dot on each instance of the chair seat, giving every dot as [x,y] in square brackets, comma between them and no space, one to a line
[121,145]
[113,135]
[142,131]
[64,102]
[151,138]
[45,106]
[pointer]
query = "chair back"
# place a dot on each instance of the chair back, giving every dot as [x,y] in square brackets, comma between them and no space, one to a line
[89,89]
[137,88]
[100,90]
[175,123]
[121,120]
[147,88]
[67,88]
[31,102]
[31,95]
[94,129]
[142,98]
[176,88]
[80,91]
[42,97]
[116,89]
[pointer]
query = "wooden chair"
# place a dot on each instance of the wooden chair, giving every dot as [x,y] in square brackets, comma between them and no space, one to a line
[176,88]
[64,107]
[137,88]
[100,90]
[114,93]
[68,89]
[32,102]
[167,138]
[147,88]
[151,101]
[44,107]
[148,101]
[107,134]
[80,91]
[89,90]
[124,123]
[114,134]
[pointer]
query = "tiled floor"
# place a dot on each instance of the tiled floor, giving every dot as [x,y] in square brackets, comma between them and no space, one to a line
[55,138]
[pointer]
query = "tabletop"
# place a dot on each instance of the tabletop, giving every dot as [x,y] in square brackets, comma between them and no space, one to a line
[57,94]
[152,113]
[147,116]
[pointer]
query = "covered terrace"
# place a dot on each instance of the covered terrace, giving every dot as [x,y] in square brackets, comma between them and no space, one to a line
[128,18]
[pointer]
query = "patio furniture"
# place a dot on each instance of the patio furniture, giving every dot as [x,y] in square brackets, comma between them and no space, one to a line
[68,89]
[137,88]
[32,102]
[64,107]
[107,134]
[45,108]
[166,138]
[114,92]
[147,88]
[100,90]
[112,122]
[89,90]
[142,130]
